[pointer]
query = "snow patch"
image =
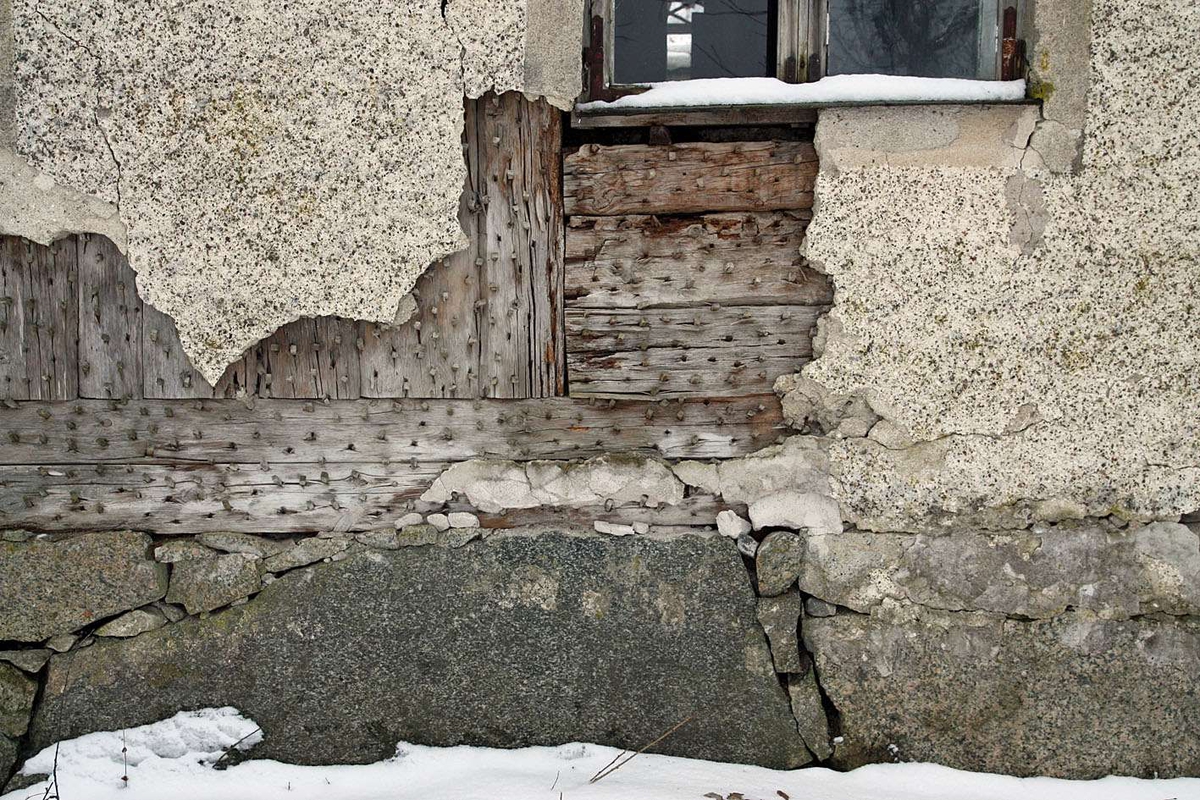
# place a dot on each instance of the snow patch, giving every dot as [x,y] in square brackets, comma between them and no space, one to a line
[827,91]
[170,759]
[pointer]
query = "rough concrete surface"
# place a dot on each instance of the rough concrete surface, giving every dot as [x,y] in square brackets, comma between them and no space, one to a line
[512,640]
[1074,696]
[1019,386]
[54,585]
[269,161]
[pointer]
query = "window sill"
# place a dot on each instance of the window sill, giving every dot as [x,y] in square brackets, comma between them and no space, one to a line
[767,101]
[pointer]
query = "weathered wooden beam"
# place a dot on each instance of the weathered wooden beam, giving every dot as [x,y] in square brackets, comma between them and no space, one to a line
[693,177]
[696,116]
[167,374]
[649,261]
[364,431]
[39,320]
[267,498]
[309,359]
[686,352]
[521,247]
[110,322]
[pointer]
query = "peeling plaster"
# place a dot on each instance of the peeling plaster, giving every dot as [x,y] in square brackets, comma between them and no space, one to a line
[269,160]
[1029,340]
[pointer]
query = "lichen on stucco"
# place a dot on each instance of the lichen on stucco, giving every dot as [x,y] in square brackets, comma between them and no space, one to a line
[1026,342]
[267,161]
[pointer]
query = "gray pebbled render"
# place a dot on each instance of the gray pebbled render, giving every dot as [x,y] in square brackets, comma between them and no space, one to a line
[1074,696]
[512,640]
[56,585]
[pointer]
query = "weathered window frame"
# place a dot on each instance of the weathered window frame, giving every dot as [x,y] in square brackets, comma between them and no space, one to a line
[801,45]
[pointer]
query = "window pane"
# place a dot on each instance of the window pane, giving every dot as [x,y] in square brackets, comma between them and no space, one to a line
[668,40]
[929,38]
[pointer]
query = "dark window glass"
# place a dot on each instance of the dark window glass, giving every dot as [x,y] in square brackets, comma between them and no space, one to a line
[928,38]
[670,40]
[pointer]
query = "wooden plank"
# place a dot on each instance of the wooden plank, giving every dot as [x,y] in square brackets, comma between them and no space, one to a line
[309,359]
[695,116]
[522,247]
[435,354]
[649,261]
[168,374]
[688,352]
[269,498]
[692,177]
[39,320]
[110,322]
[211,497]
[365,431]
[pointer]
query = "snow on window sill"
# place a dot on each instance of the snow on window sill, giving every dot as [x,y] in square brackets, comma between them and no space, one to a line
[833,90]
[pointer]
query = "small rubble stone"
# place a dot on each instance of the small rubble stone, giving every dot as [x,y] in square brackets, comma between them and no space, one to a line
[732,525]
[380,540]
[305,552]
[131,623]
[412,518]
[17,691]
[14,536]
[780,619]
[417,535]
[173,613]
[807,511]
[463,519]
[257,546]
[31,660]
[778,562]
[747,545]
[641,528]
[439,521]
[612,528]
[809,712]
[816,607]
[177,550]
[62,642]
[207,584]
[57,584]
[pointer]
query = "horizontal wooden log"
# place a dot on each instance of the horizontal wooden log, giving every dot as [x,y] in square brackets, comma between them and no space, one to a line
[269,498]
[687,352]
[692,177]
[648,261]
[365,431]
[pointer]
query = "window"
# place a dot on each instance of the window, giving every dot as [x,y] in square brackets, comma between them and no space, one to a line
[638,42]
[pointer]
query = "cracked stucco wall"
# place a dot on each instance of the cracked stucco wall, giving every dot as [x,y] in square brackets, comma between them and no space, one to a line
[260,161]
[1015,337]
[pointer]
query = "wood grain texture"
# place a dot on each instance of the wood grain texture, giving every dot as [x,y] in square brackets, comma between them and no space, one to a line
[279,431]
[309,359]
[693,177]
[110,322]
[39,320]
[265,498]
[650,261]
[167,373]
[521,247]
[686,352]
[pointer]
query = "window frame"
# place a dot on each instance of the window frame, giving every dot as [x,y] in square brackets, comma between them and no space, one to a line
[801,47]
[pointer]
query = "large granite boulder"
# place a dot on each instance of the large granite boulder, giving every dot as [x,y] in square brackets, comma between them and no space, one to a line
[1073,696]
[517,639]
[57,584]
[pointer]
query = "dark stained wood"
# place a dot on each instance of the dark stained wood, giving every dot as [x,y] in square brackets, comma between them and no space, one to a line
[278,431]
[692,177]
[435,354]
[39,320]
[268,498]
[688,352]
[309,359]
[695,116]
[650,261]
[110,322]
[167,373]
[521,247]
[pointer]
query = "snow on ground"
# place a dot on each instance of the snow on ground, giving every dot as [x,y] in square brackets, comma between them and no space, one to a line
[170,759]
[831,90]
